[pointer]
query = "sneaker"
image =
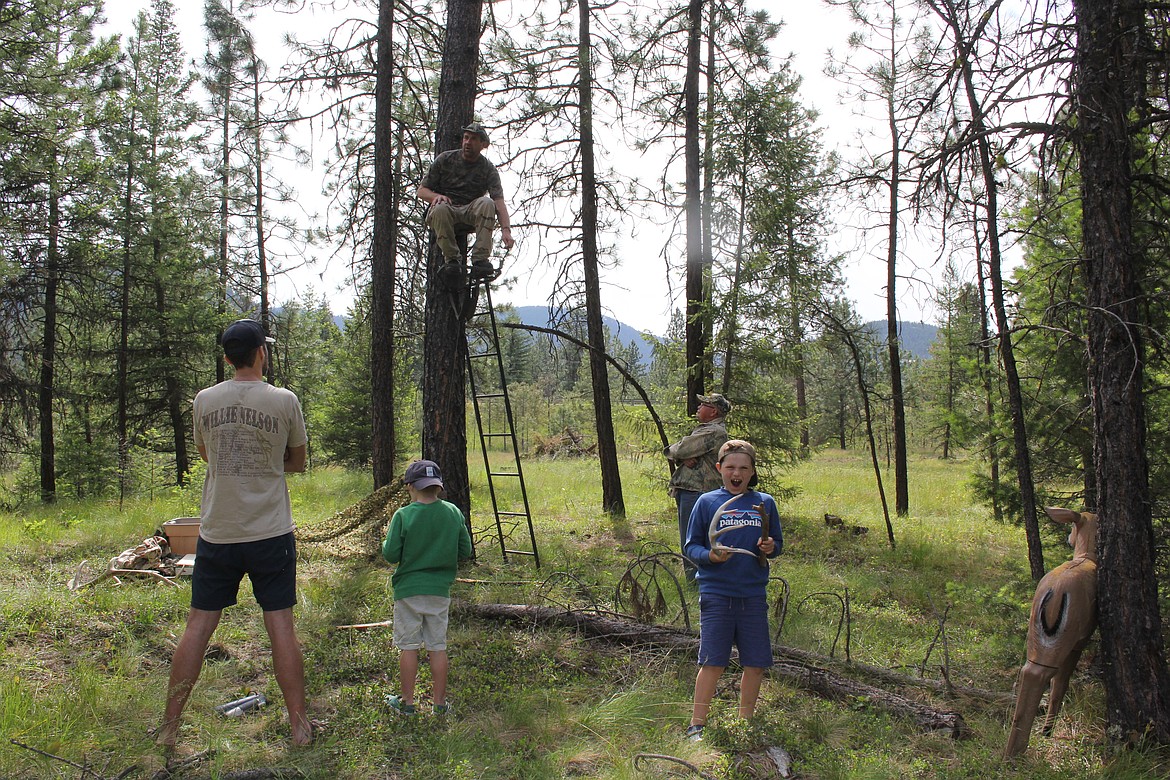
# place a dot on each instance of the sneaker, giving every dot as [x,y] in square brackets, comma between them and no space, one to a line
[442,709]
[695,732]
[398,705]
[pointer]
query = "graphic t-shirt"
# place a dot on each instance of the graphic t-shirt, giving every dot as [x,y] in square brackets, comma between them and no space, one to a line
[245,427]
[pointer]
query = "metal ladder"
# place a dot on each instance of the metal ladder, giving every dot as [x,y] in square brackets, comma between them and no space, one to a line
[489,395]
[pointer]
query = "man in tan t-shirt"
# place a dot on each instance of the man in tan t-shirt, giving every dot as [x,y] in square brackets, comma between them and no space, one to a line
[251,434]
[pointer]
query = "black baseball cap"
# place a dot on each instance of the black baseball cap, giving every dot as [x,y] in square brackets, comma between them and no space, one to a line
[243,336]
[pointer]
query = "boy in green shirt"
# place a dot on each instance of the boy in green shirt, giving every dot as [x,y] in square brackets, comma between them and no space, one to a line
[427,538]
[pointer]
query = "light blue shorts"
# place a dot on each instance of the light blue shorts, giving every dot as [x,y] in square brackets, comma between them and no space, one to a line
[421,621]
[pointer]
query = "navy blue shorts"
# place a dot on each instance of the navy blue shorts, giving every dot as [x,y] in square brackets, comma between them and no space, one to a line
[744,621]
[271,565]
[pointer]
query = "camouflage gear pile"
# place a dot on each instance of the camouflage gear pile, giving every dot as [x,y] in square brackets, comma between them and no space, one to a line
[702,444]
[463,181]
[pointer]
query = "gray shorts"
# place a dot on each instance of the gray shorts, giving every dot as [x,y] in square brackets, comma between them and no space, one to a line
[421,621]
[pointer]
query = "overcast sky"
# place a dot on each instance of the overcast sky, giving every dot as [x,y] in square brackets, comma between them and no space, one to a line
[636,292]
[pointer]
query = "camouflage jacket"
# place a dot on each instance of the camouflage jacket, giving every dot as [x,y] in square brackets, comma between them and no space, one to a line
[462,181]
[703,444]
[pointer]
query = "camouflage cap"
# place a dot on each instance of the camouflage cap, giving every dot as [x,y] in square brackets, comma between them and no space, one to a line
[718,401]
[478,129]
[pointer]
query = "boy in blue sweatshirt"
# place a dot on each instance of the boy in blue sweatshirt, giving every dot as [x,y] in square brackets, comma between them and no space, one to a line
[427,538]
[725,541]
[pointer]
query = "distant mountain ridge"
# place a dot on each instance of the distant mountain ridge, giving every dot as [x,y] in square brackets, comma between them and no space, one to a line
[914,338]
[626,334]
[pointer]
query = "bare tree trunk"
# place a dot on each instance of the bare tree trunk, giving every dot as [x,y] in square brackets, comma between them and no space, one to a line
[697,310]
[224,184]
[122,368]
[174,389]
[611,480]
[444,343]
[964,42]
[49,346]
[897,399]
[986,373]
[383,257]
[1109,80]
[261,252]
[796,328]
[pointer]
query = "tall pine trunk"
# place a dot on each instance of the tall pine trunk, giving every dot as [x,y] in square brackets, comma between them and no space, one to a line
[49,344]
[964,44]
[383,256]
[697,310]
[1109,79]
[611,480]
[444,343]
[897,398]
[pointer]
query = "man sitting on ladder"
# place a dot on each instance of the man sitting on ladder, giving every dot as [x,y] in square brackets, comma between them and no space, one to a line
[463,189]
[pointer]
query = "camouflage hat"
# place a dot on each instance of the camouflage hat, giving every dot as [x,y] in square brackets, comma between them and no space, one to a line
[718,401]
[478,129]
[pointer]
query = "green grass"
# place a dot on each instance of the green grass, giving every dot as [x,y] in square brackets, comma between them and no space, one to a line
[83,675]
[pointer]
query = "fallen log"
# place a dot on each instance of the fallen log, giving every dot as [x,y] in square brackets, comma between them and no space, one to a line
[894,678]
[804,675]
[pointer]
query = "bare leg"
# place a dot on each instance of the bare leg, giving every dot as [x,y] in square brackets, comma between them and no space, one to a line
[407,674]
[439,665]
[749,690]
[705,683]
[186,664]
[289,665]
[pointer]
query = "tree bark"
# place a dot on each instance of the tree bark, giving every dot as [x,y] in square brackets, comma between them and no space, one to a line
[697,310]
[964,44]
[444,343]
[611,479]
[382,257]
[1108,81]
[49,345]
[897,399]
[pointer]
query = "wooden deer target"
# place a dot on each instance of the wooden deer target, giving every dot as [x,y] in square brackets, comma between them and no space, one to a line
[1063,617]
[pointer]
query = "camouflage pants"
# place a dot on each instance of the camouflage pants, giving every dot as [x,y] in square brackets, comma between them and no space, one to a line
[480,215]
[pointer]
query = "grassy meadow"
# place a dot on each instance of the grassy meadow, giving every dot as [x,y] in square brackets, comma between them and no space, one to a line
[83,675]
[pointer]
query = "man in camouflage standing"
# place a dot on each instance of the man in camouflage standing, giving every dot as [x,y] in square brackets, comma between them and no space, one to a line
[463,189]
[694,459]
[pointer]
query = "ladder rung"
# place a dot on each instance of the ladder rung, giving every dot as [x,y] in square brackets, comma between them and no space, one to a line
[483,342]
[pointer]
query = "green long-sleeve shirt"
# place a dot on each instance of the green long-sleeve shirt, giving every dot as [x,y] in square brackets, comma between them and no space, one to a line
[427,541]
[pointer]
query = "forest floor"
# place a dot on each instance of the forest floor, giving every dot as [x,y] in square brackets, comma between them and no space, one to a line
[83,674]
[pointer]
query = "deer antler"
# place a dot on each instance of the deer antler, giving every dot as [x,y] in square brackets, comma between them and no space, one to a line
[714,532]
